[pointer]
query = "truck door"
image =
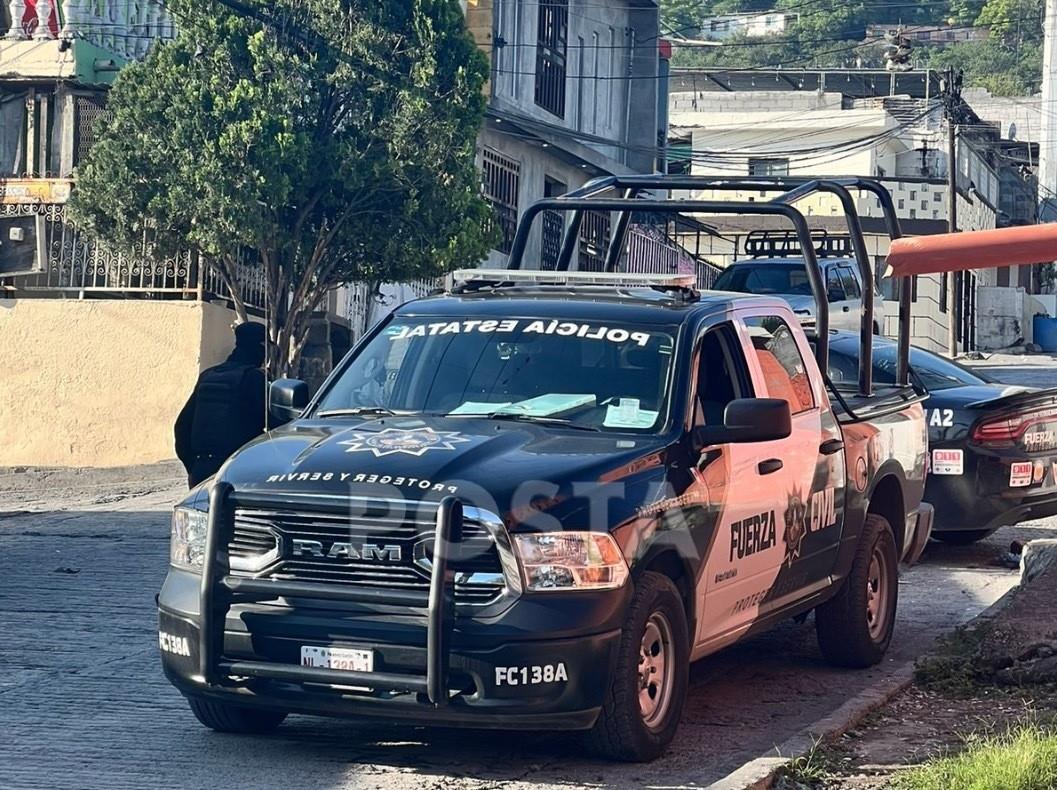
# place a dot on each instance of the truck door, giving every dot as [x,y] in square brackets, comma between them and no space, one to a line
[743,527]
[808,489]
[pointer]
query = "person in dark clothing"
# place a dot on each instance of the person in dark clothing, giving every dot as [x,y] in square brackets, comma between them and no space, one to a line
[226,409]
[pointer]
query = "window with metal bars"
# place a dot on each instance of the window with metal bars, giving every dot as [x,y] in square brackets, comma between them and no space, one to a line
[553,225]
[594,241]
[502,182]
[768,167]
[551,51]
[91,112]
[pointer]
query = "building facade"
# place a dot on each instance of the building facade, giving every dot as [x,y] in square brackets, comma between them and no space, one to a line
[871,123]
[761,25]
[573,95]
[930,34]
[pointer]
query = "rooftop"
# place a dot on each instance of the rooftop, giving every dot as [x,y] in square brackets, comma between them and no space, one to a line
[853,83]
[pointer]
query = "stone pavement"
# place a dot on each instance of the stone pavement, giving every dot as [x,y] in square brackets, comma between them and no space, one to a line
[83,703]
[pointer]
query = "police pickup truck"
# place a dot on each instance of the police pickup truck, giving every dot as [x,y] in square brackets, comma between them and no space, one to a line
[530,502]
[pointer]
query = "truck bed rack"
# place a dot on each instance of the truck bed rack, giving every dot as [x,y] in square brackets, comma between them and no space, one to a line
[624,195]
[784,244]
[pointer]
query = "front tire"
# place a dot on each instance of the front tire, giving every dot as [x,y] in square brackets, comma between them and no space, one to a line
[855,626]
[962,537]
[645,700]
[225,717]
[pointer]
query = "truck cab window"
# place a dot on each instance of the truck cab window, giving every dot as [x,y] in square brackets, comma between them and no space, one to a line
[721,376]
[780,360]
[834,287]
[851,285]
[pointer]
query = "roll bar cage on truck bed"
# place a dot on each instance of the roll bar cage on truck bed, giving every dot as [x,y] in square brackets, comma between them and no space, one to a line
[597,195]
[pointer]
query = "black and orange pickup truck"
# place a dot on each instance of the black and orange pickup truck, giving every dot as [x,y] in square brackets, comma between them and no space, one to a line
[531,501]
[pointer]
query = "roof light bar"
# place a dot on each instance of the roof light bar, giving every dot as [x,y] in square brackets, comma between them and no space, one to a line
[625,279]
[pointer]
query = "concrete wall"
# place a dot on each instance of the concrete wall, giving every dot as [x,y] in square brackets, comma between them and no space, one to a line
[99,383]
[607,41]
[1023,112]
[1000,319]
[537,164]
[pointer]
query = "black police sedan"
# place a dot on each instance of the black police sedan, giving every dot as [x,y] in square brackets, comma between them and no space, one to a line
[992,446]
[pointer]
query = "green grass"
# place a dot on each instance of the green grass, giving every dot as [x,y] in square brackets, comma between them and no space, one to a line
[806,771]
[1025,759]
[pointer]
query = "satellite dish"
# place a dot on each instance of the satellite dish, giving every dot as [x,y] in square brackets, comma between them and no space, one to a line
[1048,211]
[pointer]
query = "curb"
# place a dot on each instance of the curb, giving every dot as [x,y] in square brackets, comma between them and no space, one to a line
[760,773]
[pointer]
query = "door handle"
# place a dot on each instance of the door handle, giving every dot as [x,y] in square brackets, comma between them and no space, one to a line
[847,309]
[769,467]
[831,446]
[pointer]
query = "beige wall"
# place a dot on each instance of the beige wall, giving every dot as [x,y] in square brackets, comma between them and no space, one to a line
[99,383]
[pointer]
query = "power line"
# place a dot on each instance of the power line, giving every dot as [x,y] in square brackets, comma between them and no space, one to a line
[705,156]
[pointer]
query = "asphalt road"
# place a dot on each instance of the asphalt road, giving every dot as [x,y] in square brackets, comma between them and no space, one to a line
[83,703]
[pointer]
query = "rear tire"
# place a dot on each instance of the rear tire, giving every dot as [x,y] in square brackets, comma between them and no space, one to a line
[855,626]
[962,537]
[644,704]
[225,717]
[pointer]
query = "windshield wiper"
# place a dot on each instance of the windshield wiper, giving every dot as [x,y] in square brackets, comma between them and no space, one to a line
[358,411]
[555,421]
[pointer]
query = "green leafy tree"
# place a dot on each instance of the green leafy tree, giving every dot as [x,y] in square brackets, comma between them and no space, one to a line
[994,64]
[827,20]
[1013,20]
[334,143]
[965,12]
[681,17]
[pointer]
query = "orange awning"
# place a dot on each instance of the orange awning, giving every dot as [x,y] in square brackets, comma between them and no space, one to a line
[977,249]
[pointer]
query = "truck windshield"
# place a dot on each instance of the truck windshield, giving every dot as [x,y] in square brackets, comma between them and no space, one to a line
[595,375]
[765,278]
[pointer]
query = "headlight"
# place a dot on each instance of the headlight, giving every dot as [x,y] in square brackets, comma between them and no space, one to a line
[187,546]
[571,561]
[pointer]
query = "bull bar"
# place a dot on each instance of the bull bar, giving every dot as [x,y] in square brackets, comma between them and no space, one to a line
[220,590]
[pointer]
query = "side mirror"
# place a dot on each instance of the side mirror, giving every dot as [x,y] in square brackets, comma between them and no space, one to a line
[835,296]
[748,420]
[287,398]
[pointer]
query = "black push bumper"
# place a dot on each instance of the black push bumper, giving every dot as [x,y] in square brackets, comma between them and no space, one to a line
[244,648]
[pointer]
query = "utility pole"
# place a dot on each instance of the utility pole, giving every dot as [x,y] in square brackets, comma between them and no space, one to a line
[952,84]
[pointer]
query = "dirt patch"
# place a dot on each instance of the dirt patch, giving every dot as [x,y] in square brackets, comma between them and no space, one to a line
[919,725]
[1016,647]
[981,680]
[35,489]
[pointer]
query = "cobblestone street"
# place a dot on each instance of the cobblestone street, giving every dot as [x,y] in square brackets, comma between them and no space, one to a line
[83,703]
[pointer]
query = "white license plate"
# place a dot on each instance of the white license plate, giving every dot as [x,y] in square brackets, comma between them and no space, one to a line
[342,658]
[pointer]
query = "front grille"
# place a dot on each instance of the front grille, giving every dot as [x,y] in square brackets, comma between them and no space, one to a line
[374,551]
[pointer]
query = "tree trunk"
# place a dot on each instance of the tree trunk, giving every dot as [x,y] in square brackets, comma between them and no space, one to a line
[227,268]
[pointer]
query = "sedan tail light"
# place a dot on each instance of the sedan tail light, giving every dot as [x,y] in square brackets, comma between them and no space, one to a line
[1007,430]
[1001,432]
